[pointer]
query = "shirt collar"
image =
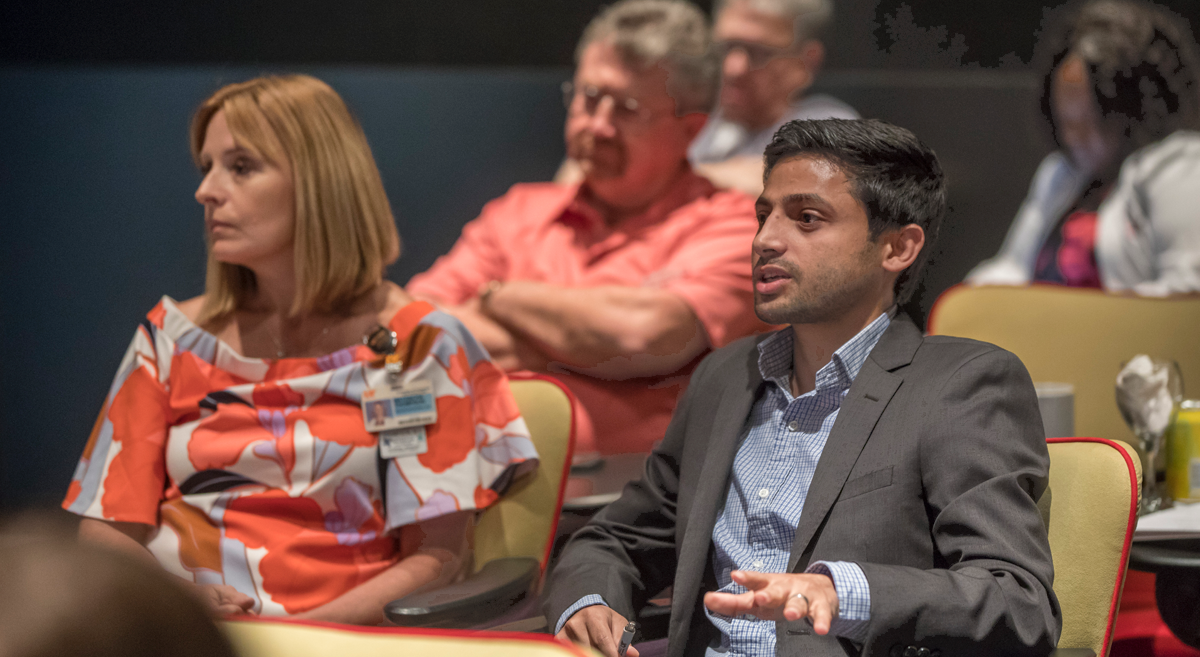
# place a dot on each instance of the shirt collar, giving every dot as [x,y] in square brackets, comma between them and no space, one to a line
[775,356]
[581,213]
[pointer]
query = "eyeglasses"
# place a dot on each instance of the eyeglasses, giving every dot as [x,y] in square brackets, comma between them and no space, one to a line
[757,55]
[624,109]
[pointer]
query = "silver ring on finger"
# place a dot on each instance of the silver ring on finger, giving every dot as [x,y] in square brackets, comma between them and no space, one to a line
[802,597]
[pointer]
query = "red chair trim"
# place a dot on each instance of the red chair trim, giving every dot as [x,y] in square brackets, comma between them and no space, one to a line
[418,631]
[562,483]
[1134,487]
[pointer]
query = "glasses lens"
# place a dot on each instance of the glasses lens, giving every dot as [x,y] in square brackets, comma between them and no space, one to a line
[759,55]
[624,109]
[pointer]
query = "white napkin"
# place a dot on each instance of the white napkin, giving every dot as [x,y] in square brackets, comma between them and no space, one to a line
[1145,396]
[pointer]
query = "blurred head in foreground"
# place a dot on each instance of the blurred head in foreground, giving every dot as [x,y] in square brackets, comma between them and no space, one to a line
[59,597]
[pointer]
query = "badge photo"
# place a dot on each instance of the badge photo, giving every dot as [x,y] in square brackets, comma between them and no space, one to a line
[399,406]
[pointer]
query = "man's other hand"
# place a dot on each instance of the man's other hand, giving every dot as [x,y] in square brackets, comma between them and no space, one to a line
[598,627]
[777,596]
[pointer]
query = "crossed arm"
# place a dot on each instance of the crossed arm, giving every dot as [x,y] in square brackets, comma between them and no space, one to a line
[441,550]
[611,332]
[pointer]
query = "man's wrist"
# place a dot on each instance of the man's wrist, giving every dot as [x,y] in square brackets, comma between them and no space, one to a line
[486,291]
[585,601]
[853,594]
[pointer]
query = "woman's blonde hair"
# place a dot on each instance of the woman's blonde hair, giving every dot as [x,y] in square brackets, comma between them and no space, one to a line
[345,234]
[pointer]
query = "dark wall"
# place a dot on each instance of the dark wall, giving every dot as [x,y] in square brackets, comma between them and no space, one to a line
[456,33]
[896,34]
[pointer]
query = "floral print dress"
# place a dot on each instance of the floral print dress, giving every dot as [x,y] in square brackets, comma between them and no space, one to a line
[260,473]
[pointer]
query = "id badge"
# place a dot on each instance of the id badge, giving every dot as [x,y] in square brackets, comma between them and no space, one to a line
[398,443]
[399,406]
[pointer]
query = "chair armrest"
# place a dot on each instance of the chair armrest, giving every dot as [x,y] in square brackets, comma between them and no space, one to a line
[1073,652]
[487,594]
[653,622]
[536,624]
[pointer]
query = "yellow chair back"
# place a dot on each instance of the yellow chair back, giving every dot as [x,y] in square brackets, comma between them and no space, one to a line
[277,638]
[523,521]
[1090,509]
[1077,336]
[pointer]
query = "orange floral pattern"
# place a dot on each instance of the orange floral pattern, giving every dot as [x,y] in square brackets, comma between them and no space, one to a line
[260,473]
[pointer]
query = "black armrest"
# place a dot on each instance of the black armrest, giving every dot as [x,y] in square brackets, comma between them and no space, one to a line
[536,624]
[652,622]
[1073,652]
[486,595]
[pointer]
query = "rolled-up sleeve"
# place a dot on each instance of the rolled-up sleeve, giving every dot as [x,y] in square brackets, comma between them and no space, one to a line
[712,271]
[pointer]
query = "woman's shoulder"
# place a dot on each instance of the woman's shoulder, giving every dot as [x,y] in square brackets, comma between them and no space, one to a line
[1056,171]
[391,299]
[404,314]
[190,307]
[1177,155]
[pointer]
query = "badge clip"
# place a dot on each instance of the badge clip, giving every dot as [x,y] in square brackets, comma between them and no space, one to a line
[381,340]
[393,365]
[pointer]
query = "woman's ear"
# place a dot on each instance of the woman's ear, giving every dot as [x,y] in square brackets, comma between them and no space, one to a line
[901,247]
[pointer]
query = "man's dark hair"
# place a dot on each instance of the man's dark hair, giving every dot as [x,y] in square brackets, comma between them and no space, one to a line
[895,177]
[1141,61]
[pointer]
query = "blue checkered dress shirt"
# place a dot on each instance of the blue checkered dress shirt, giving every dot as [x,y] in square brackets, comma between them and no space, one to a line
[772,472]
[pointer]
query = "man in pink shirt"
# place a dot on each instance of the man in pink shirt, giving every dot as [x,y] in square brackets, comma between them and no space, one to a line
[619,284]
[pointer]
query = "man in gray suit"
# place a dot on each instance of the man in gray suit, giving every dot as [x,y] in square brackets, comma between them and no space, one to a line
[845,485]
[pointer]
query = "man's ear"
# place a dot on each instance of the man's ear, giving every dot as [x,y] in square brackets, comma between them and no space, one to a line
[901,247]
[813,55]
[693,123]
[809,58]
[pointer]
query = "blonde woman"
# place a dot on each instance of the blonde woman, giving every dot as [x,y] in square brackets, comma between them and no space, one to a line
[233,447]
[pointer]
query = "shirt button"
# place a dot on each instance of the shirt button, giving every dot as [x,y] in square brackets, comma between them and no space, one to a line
[757,564]
[793,426]
[764,492]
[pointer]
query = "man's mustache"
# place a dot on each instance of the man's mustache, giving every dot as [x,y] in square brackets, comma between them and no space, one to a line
[790,267]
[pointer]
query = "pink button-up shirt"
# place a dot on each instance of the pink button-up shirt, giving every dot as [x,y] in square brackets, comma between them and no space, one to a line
[694,242]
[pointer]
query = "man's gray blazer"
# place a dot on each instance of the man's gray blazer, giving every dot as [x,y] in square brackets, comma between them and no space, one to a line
[928,482]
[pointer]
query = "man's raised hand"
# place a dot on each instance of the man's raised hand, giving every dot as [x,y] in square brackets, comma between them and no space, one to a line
[779,596]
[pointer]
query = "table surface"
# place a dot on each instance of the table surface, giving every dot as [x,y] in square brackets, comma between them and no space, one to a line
[593,484]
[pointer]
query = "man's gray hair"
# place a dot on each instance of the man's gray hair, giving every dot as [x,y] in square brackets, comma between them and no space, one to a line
[670,33]
[810,18]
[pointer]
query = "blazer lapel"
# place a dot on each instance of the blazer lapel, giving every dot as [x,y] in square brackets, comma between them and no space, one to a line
[728,430]
[864,403]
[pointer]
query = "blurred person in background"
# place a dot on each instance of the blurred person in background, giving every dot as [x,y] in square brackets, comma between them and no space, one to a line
[771,52]
[620,282]
[232,447]
[59,597]
[1115,207]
